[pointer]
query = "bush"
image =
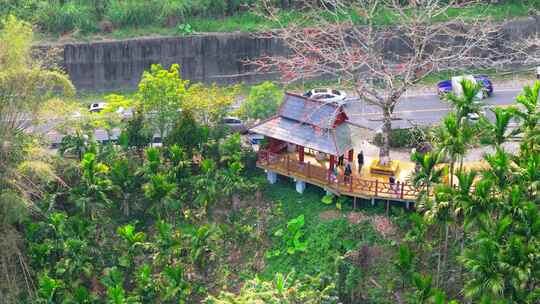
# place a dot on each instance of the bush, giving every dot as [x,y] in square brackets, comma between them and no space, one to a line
[262,102]
[57,18]
[135,13]
[174,12]
[404,138]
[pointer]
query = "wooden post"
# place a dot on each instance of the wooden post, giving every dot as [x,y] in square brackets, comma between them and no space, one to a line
[300,153]
[402,187]
[354,202]
[351,181]
[331,167]
[288,164]
[376,187]
[309,169]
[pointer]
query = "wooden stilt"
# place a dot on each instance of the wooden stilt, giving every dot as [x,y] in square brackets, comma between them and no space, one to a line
[354,202]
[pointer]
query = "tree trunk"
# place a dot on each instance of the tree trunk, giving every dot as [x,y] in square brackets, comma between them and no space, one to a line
[437,278]
[384,150]
[451,177]
[445,257]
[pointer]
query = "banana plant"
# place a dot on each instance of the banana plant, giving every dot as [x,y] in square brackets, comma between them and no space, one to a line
[201,246]
[47,289]
[175,288]
[91,195]
[405,264]
[135,242]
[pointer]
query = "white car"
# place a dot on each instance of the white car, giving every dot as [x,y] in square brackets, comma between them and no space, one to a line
[156,142]
[326,95]
[97,107]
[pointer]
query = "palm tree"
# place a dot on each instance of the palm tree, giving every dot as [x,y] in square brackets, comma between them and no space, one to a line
[76,144]
[427,173]
[454,138]
[497,134]
[466,103]
[486,269]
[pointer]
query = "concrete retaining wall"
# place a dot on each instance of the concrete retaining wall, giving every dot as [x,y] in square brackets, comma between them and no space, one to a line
[101,66]
[113,65]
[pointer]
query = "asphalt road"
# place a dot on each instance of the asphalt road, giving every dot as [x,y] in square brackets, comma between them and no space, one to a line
[421,110]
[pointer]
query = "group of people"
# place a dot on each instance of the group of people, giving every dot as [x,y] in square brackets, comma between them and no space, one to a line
[347,171]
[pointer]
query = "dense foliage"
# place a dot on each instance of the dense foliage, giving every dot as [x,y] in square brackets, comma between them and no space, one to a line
[25,169]
[193,222]
[481,227]
[60,16]
[262,102]
[75,17]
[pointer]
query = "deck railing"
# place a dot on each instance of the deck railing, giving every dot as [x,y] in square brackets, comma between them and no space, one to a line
[354,185]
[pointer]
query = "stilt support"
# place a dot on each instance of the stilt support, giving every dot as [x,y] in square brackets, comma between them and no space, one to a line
[271,176]
[300,186]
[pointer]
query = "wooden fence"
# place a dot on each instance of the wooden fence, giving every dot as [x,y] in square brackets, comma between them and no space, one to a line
[353,186]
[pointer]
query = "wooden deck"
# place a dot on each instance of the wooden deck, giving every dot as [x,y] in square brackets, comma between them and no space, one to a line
[314,173]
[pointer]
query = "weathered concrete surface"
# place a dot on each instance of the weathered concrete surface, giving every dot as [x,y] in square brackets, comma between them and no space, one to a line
[113,65]
[209,58]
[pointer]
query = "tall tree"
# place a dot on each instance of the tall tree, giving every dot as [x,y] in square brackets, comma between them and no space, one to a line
[161,92]
[380,47]
[25,85]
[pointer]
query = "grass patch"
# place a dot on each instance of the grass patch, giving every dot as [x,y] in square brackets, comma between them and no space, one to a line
[252,22]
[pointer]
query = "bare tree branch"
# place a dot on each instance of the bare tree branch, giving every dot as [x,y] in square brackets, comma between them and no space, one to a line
[353,40]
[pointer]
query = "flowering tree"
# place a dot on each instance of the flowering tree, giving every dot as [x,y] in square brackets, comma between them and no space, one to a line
[381,47]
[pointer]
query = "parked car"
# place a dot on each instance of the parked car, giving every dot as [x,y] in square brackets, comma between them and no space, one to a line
[255,139]
[97,107]
[156,142]
[327,95]
[446,86]
[234,124]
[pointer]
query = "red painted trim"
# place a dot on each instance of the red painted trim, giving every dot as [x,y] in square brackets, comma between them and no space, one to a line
[334,141]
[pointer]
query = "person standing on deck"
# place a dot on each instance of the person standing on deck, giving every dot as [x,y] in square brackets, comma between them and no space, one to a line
[392,181]
[348,172]
[335,174]
[360,160]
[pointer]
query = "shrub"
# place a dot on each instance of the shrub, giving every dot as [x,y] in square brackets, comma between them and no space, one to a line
[174,12]
[135,13]
[404,138]
[262,102]
[57,18]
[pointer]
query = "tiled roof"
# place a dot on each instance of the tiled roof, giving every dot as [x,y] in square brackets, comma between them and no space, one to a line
[309,111]
[335,141]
